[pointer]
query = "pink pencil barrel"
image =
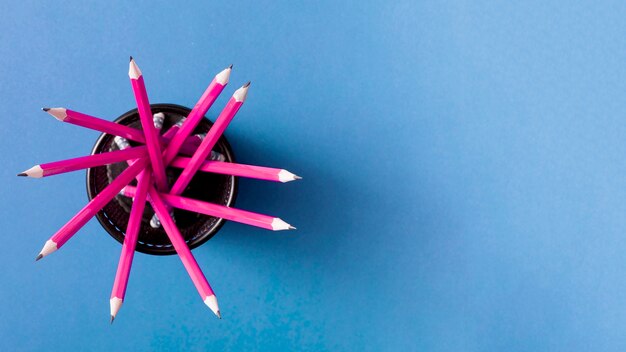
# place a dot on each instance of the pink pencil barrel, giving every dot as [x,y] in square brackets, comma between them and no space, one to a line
[241,170]
[171,132]
[190,145]
[97,203]
[220,211]
[147,123]
[197,113]
[192,267]
[211,138]
[85,162]
[130,242]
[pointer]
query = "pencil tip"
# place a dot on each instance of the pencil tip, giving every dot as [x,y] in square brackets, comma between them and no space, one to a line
[219,315]
[113,316]
[22,174]
[45,109]
[39,257]
[231,66]
[131,58]
[292,227]
[247,85]
[296,177]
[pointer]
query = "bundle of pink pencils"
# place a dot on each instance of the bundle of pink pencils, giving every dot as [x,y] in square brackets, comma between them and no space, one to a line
[147,164]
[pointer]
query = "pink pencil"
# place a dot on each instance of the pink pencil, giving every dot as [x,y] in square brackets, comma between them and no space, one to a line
[130,242]
[145,115]
[84,162]
[94,123]
[97,203]
[211,138]
[220,211]
[242,170]
[194,271]
[112,128]
[197,113]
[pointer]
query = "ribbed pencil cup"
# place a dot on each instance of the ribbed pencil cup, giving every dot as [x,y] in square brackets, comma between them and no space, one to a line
[195,228]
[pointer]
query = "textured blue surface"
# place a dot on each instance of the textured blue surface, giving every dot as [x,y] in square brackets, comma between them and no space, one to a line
[463,173]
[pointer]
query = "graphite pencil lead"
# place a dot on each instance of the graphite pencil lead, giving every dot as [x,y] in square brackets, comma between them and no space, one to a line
[247,84]
[45,109]
[131,58]
[22,174]
[292,227]
[297,177]
[231,66]
[113,317]
[39,257]
[219,315]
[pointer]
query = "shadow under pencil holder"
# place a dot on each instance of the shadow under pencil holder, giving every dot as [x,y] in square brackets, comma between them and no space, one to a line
[195,228]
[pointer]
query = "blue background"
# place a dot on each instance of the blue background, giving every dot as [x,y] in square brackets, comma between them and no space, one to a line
[463,170]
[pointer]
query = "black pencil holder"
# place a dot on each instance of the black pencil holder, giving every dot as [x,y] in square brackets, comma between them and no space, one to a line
[195,228]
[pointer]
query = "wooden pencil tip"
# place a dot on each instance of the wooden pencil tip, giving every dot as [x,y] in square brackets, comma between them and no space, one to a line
[247,85]
[131,58]
[231,66]
[113,316]
[292,227]
[39,257]
[219,315]
[296,177]
[45,109]
[23,174]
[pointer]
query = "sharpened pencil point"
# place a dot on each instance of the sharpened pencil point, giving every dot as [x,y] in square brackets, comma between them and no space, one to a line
[116,304]
[292,227]
[39,257]
[224,75]
[219,315]
[133,70]
[279,224]
[286,176]
[58,113]
[241,93]
[35,172]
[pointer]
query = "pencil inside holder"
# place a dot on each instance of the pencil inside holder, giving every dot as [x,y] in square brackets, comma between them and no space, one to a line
[195,228]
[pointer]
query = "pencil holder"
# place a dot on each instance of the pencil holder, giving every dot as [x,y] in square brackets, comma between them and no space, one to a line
[195,228]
